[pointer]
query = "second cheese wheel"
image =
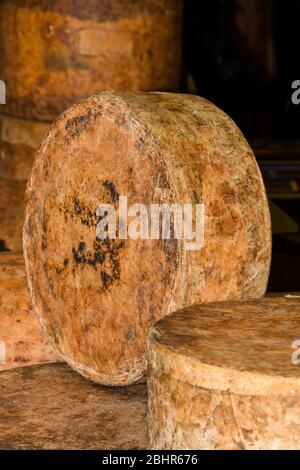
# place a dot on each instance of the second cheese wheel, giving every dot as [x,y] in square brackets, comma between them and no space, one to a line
[97,298]
[226,376]
[53,52]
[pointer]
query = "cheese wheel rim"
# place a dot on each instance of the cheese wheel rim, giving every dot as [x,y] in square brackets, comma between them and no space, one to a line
[222,361]
[98,300]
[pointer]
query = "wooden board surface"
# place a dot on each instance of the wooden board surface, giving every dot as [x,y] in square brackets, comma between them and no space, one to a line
[52,407]
[226,376]
[98,298]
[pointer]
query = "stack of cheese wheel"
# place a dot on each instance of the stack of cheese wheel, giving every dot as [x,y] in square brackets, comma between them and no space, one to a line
[64,50]
[54,52]
[19,140]
[97,297]
[11,213]
[52,407]
[22,343]
[226,376]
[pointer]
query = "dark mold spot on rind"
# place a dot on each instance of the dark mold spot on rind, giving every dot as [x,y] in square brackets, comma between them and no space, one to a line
[109,185]
[85,215]
[99,255]
[76,125]
[105,253]
[21,359]
[81,247]
[106,279]
[82,256]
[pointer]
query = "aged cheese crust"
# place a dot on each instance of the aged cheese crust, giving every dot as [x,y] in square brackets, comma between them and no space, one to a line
[11,213]
[221,376]
[97,299]
[52,407]
[19,140]
[19,329]
[68,49]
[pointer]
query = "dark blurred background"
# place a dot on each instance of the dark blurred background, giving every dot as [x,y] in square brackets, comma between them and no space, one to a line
[243,56]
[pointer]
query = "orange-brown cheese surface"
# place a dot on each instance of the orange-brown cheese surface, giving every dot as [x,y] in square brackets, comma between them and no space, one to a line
[22,342]
[226,376]
[64,50]
[97,297]
[51,407]
[12,193]
[19,140]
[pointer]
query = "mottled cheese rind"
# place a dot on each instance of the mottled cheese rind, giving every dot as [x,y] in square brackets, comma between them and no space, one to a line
[65,50]
[97,299]
[224,376]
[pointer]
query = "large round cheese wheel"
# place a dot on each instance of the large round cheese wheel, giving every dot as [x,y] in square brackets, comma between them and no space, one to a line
[12,193]
[22,342]
[19,140]
[226,376]
[51,407]
[96,297]
[56,51]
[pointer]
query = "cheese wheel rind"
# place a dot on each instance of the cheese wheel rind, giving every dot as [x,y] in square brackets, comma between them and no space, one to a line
[97,299]
[65,50]
[223,376]
[19,140]
[20,331]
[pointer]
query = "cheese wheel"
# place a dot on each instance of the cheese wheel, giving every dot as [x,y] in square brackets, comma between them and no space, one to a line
[22,342]
[12,193]
[19,140]
[64,50]
[51,407]
[226,376]
[97,297]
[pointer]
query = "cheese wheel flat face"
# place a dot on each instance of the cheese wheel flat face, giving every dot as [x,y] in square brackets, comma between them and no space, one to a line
[253,337]
[97,297]
[50,407]
[226,376]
